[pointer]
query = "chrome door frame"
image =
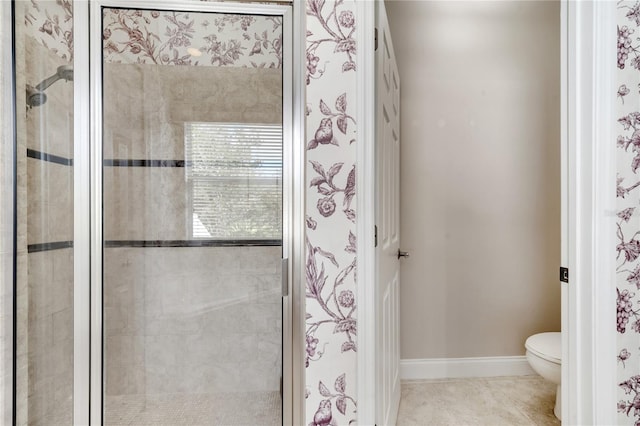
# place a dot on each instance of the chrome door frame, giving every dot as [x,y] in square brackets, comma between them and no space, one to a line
[8,252]
[88,328]
[82,231]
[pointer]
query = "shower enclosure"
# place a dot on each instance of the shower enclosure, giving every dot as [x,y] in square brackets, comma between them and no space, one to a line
[153,216]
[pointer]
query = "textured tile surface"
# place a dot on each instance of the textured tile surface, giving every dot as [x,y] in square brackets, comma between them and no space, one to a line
[525,400]
[192,320]
[246,408]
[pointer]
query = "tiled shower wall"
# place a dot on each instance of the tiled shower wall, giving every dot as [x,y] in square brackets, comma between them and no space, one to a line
[45,218]
[192,320]
[182,319]
[146,109]
[6,237]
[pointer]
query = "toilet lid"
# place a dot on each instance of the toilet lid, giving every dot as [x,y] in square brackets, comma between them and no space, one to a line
[546,345]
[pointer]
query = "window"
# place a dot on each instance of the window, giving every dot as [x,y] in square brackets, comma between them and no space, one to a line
[235,175]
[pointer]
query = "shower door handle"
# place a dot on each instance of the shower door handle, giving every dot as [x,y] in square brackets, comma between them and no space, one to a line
[285,277]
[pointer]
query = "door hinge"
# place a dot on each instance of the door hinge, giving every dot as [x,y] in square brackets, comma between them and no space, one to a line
[564,274]
[375,39]
[375,235]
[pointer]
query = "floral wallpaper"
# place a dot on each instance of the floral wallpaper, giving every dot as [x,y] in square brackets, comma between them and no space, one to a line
[628,220]
[331,328]
[198,39]
[51,23]
[166,38]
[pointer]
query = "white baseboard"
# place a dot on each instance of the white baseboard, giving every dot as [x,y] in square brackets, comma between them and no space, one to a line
[450,368]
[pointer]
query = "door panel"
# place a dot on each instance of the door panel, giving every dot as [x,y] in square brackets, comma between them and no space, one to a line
[387,220]
[44,167]
[192,208]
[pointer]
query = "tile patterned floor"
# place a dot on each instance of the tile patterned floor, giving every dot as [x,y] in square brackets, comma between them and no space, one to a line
[524,400]
[246,409]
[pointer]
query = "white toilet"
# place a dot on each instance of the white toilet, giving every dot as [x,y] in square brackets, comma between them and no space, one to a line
[544,353]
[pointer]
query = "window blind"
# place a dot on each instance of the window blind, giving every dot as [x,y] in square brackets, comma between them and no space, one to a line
[235,175]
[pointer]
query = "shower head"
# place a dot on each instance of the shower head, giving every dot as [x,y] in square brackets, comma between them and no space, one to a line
[36,96]
[64,72]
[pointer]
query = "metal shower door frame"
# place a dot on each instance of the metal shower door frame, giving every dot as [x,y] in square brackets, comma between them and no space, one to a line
[8,194]
[88,238]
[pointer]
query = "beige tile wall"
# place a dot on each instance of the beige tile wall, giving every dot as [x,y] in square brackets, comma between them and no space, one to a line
[22,278]
[6,239]
[45,212]
[145,203]
[50,202]
[196,320]
[50,337]
[146,107]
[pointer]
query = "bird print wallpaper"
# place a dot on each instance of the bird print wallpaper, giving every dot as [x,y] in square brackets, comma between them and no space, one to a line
[164,37]
[330,240]
[51,23]
[628,218]
[197,39]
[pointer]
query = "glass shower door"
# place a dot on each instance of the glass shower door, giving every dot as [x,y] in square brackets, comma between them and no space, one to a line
[192,166]
[44,206]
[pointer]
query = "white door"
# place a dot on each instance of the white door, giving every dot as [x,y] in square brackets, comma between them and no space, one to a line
[387,222]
